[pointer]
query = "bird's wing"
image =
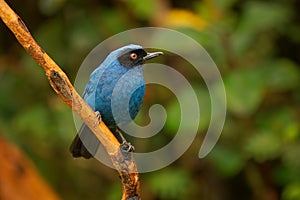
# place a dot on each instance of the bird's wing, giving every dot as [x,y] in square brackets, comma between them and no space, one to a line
[92,86]
[89,88]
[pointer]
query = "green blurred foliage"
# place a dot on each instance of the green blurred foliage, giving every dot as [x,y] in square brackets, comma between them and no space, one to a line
[170,183]
[255,45]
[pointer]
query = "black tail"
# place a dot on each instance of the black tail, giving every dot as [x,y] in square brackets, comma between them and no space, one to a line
[77,148]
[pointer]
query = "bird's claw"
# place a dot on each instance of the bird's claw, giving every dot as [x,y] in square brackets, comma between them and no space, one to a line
[98,118]
[127,147]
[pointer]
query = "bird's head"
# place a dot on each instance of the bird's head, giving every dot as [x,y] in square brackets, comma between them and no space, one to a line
[133,55]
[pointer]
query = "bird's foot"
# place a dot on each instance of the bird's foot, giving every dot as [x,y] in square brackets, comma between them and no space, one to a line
[98,118]
[127,147]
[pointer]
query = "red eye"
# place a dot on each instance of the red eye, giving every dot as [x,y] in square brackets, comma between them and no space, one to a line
[133,56]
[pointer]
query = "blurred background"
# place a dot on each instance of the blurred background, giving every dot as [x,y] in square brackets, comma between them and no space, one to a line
[256,46]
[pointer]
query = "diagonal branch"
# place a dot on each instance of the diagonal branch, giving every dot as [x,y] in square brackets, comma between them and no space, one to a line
[62,86]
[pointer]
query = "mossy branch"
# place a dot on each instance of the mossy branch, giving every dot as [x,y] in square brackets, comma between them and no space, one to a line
[63,87]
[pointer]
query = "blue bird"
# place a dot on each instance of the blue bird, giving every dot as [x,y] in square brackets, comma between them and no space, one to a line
[116,90]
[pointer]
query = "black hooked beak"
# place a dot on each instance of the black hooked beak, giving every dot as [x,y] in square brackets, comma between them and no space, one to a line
[152,55]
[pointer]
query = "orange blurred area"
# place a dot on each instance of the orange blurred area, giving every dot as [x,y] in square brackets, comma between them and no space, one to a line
[19,178]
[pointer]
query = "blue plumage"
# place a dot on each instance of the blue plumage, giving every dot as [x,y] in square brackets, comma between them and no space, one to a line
[116,89]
